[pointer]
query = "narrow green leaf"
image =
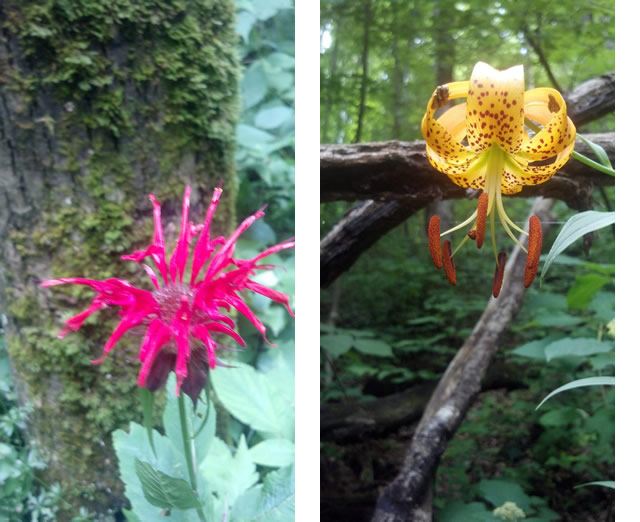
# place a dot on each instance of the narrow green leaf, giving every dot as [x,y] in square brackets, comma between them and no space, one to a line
[164,491]
[589,381]
[599,152]
[576,227]
[146,398]
[605,483]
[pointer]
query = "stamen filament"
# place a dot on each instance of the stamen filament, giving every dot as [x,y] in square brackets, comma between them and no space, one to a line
[464,240]
[501,215]
[461,225]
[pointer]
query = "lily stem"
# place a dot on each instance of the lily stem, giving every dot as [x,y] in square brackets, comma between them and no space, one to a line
[189,454]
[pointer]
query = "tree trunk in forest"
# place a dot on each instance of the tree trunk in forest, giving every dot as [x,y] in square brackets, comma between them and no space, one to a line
[409,496]
[364,59]
[100,105]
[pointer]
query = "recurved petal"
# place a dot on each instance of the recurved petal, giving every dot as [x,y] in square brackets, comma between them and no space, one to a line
[516,175]
[439,139]
[547,108]
[495,108]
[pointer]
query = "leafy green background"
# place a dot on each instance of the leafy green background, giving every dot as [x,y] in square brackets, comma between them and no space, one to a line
[394,296]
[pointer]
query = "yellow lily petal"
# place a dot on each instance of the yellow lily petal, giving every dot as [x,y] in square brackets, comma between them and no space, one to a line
[454,121]
[495,108]
[439,140]
[516,174]
[548,108]
[470,176]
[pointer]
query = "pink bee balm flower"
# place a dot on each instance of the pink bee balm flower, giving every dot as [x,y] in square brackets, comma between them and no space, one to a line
[179,316]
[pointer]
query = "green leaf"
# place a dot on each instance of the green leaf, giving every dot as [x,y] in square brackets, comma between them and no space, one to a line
[579,383]
[576,227]
[458,511]
[336,345]
[146,398]
[249,136]
[244,23]
[605,483]
[373,347]
[275,453]
[598,150]
[497,492]
[532,350]
[576,347]
[273,117]
[249,397]
[164,491]
[555,318]
[584,288]
[560,417]
[229,475]
[274,501]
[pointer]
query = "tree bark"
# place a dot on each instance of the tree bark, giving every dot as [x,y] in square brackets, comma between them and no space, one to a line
[399,171]
[99,108]
[409,497]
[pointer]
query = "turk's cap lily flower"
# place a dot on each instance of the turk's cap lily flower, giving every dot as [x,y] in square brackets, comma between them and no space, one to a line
[484,144]
[181,316]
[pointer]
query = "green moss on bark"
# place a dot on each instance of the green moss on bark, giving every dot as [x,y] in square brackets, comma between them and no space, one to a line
[110,100]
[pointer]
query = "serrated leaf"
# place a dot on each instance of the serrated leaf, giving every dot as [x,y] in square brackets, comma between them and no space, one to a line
[164,491]
[373,347]
[580,383]
[273,501]
[247,395]
[275,453]
[576,227]
[576,347]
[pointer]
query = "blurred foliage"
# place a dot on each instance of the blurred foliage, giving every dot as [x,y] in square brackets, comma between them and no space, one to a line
[394,295]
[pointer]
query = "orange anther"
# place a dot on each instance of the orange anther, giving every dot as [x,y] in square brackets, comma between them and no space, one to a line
[449,266]
[499,273]
[533,250]
[434,241]
[481,220]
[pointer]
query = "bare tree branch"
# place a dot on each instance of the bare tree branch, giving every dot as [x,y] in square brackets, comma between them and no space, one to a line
[396,170]
[408,497]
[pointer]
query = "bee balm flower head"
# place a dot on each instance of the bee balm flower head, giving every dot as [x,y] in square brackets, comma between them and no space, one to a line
[484,144]
[180,315]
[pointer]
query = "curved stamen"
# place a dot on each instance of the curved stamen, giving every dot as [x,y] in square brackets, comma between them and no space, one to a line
[502,214]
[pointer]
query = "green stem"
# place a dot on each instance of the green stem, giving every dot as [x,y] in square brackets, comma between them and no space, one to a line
[188,450]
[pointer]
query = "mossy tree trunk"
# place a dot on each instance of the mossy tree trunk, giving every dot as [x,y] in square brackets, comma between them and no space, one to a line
[101,103]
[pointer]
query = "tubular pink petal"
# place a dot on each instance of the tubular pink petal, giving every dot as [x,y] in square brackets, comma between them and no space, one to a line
[181,253]
[203,334]
[151,275]
[274,295]
[289,243]
[204,247]
[159,253]
[162,337]
[223,257]
[221,328]
[242,307]
[75,322]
